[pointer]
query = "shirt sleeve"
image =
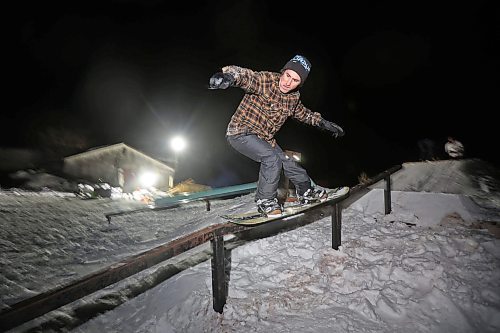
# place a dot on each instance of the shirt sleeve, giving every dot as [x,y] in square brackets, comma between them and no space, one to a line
[248,80]
[305,115]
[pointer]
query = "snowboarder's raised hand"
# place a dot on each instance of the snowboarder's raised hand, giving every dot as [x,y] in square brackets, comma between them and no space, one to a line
[221,81]
[335,129]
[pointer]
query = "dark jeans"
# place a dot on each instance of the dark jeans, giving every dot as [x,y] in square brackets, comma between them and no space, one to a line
[271,160]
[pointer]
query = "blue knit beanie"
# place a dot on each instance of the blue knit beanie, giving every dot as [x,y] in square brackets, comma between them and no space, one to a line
[300,65]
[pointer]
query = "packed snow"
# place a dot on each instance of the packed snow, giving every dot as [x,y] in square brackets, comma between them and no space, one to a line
[431,265]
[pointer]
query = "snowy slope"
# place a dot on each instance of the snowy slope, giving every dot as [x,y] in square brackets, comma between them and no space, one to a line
[443,274]
[474,178]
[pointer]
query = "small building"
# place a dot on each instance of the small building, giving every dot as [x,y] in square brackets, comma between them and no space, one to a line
[120,165]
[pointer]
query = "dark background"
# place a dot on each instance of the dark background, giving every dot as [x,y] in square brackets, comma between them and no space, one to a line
[83,74]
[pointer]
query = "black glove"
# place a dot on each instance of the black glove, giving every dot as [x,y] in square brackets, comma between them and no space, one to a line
[335,129]
[221,81]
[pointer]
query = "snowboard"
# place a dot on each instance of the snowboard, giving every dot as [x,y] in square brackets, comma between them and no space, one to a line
[256,218]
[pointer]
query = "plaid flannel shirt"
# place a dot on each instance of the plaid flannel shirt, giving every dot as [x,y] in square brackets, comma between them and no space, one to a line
[264,108]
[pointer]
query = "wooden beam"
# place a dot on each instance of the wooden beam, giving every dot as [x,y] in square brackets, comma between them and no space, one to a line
[43,303]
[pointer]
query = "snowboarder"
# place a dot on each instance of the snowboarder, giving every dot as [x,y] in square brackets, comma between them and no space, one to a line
[454,148]
[270,98]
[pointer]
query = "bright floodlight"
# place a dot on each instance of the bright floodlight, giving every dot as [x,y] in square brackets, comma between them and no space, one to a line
[148,179]
[178,143]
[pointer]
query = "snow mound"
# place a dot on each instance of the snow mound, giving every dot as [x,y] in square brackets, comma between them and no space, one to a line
[473,178]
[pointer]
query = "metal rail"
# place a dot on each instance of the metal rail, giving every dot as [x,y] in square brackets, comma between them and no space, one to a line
[172,202]
[43,303]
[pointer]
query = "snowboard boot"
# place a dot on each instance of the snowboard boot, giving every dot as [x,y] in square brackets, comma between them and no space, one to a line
[313,195]
[269,207]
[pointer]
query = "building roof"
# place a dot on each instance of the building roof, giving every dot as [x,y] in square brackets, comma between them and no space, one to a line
[117,146]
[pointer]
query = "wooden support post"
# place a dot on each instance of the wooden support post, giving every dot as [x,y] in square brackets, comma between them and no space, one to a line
[43,303]
[218,273]
[336,225]
[387,195]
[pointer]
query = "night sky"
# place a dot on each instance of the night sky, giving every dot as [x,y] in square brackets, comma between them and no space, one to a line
[82,75]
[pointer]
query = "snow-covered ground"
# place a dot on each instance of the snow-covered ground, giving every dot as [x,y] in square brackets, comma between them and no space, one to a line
[432,265]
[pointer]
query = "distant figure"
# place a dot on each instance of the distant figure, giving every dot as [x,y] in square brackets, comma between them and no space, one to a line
[129,181]
[454,148]
[427,149]
[120,177]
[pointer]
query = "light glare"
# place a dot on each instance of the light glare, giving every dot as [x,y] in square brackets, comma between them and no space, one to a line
[178,143]
[148,179]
